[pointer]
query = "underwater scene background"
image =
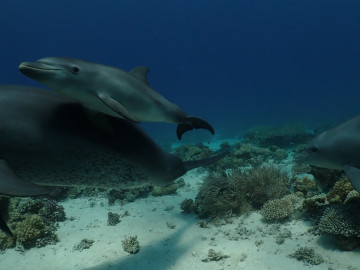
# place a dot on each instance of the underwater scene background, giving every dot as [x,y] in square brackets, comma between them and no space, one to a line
[268,76]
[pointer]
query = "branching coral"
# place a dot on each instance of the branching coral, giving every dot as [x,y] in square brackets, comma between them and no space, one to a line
[238,191]
[342,221]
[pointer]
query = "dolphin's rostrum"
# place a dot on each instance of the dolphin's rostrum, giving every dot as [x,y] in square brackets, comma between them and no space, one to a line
[111,91]
[336,148]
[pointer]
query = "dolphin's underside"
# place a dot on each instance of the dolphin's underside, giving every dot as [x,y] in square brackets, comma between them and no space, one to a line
[48,140]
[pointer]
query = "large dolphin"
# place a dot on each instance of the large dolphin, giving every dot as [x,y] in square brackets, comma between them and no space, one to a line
[336,148]
[47,140]
[112,91]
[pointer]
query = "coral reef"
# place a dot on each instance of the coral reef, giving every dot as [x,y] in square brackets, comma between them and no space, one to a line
[131,244]
[277,209]
[282,136]
[189,152]
[342,221]
[113,219]
[128,195]
[33,222]
[307,255]
[32,231]
[84,244]
[246,154]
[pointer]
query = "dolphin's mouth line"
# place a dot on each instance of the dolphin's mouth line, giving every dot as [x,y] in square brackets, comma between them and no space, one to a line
[38,68]
[42,68]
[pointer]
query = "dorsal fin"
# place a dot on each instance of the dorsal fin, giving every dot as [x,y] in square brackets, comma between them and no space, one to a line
[140,72]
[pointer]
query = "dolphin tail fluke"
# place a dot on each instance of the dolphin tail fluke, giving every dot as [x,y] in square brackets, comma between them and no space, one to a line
[204,162]
[190,123]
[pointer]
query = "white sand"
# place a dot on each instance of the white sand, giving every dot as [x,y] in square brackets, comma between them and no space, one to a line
[163,248]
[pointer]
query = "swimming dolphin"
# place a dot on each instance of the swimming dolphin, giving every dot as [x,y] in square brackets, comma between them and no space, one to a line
[48,140]
[336,148]
[111,91]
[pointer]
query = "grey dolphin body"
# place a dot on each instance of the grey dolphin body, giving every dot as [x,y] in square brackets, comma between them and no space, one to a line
[111,91]
[48,140]
[336,148]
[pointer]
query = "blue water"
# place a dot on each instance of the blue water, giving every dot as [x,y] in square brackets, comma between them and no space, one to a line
[235,63]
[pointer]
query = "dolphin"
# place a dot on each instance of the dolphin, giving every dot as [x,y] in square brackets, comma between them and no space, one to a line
[111,91]
[336,148]
[47,140]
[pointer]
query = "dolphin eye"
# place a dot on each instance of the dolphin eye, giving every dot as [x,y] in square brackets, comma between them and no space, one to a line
[75,69]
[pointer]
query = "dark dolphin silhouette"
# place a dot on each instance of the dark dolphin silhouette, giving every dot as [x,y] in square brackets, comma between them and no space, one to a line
[336,148]
[48,140]
[112,91]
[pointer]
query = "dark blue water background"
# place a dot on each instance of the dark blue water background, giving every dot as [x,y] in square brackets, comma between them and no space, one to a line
[236,63]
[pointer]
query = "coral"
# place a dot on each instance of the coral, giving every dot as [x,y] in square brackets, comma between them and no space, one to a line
[215,256]
[340,191]
[52,212]
[341,219]
[314,206]
[188,152]
[6,241]
[304,185]
[30,230]
[238,191]
[113,219]
[326,178]
[343,222]
[34,222]
[128,195]
[300,168]
[164,190]
[281,136]
[265,183]
[84,244]
[307,255]
[131,244]
[352,196]
[217,197]
[187,206]
[277,209]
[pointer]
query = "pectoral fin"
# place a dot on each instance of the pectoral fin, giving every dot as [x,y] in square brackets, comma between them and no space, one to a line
[354,176]
[12,185]
[117,107]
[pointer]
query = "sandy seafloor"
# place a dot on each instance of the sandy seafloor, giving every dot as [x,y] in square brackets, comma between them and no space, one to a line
[184,247]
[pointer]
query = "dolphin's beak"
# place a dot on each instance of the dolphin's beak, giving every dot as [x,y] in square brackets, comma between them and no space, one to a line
[37,70]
